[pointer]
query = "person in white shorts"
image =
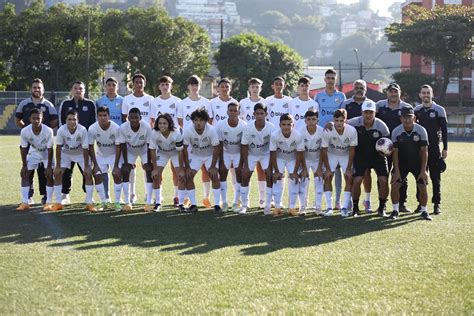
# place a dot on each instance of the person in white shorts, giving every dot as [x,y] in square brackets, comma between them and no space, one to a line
[185,108]
[256,149]
[166,144]
[246,113]
[286,152]
[36,147]
[302,103]
[312,135]
[104,134]
[201,148]
[230,136]
[72,145]
[134,137]
[338,149]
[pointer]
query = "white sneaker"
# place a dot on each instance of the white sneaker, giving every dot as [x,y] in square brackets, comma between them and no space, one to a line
[235,207]
[66,199]
[158,208]
[302,211]
[133,198]
[318,211]
[261,203]
[243,210]
[31,201]
[329,212]
[225,207]
[344,212]
[267,210]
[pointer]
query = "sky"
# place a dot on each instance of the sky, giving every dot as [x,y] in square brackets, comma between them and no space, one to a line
[380,5]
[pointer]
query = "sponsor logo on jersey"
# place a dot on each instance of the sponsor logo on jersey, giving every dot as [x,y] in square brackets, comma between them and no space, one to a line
[297,117]
[188,117]
[252,145]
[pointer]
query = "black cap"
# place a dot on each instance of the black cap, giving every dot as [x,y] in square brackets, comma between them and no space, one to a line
[407,110]
[441,165]
[393,85]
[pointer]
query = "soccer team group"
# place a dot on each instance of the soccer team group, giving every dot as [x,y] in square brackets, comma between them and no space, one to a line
[302,140]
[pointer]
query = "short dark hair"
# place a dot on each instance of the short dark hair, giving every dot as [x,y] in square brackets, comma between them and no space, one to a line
[103,108]
[254,80]
[36,111]
[278,78]
[304,80]
[37,80]
[260,106]
[330,71]
[111,79]
[165,79]
[139,75]
[310,113]
[134,110]
[287,117]
[168,118]
[340,113]
[233,104]
[72,112]
[78,82]
[194,79]
[224,80]
[200,113]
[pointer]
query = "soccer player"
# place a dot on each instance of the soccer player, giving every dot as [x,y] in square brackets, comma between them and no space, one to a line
[338,150]
[104,133]
[286,152]
[432,117]
[246,112]
[329,101]
[186,107]
[203,141]
[256,149]
[389,111]
[72,146]
[230,132]
[219,104]
[166,144]
[134,137]
[277,103]
[36,147]
[410,155]
[312,135]
[369,130]
[50,119]
[302,103]
[168,103]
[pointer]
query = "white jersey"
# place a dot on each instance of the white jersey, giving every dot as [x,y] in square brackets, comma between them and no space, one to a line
[219,109]
[201,145]
[166,145]
[339,144]
[105,139]
[276,108]
[72,144]
[286,147]
[231,136]
[298,108]
[39,144]
[258,141]
[144,104]
[136,141]
[170,106]
[246,108]
[312,143]
[188,106]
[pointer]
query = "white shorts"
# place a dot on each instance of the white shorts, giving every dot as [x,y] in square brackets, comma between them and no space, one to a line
[196,162]
[66,160]
[162,159]
[231,160]
[32,163]
[132,158]
[285,164]
[107,163]
[312,166]
[264,161]
[335,160]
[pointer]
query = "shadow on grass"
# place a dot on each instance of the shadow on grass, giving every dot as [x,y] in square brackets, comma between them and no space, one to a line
[185,233]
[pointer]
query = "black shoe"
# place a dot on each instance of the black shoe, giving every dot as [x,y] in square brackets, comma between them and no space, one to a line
[394,215]
[418,209]
[182,209]
[217,209]
[426,216]
[381,212]
[355,212]
[193,209]
[436,209]
[43,199]
[404,209]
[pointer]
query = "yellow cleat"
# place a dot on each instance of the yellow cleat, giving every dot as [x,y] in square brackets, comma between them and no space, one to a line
[277,212]
[91,208]
[47,207]
[206,203]
[23,207]
[149,208]
[127,208]
[293,212]
[57,207]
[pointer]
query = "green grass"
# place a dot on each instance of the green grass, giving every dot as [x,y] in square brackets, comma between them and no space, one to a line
[75,262]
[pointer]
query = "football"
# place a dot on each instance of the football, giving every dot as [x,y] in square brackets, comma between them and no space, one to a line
[384,146]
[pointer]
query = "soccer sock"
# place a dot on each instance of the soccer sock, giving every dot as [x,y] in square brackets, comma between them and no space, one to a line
[89,193]
[49,194]
[423,209]
[303,192]
[395,206]
[268,199]
[57,193]
[367,196]
[100,191]
[318,191]
[244,195]
[293,188]
[338,184]
[181,195]
[132,178]
[25,191]
[234,177]
[224,191]
[262,186]
[347,199]
[207,189]
[217,196]
[192,196]
[105,182]
[117,191]
[126,192]
[149,192]
[328,195]
[237,189]
[176,191]
[277,193]
[157,193]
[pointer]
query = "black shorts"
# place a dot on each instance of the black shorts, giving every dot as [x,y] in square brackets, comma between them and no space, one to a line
[405,170]
[378,163]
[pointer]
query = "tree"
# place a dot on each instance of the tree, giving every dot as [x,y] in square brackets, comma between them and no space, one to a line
[411,81]
[443,35]
[250,55]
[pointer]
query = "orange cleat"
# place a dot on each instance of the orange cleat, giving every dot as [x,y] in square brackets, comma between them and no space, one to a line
[277,212]
[206,203]
[47,207]
[293,212]
[91,208]
[149,208]
[127,208]
[23,207]
[57,207]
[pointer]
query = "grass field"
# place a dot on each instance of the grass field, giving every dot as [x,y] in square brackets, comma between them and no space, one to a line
[106,263]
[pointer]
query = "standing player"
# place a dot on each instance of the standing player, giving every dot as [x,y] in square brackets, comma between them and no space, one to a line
[104,133]
[312,135]
[410,155]
[230,133]
[389,111]
[36,147]
[186,107]
[433,118]
[256,149]
[369,130]
[277,103]
[286,152]
[338,150]
[72,146]
[203,141]
[302,103]
[166,144]
[219,104]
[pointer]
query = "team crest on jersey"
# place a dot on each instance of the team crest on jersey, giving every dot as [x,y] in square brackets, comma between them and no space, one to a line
[432,114]
[196,139]
[84,108]
[318,142]
[79,138]
[172,106]
[226,133]
[97,135]
[266,138]
[253,135]
[188,107]
[334,138]
[247,108]
[346,141]
[293,144]
[112,136]
[218,107]
[280,142]
[30,139]
[68,138]
[43,109]
[69,108]
[416,138]
[399,112]
[285,106]
[205,139]
[306,140]
[132,103]
[297,106]
[129,136]
[376,134]
[324,100]
[159,105]
[141,137]
[239,135]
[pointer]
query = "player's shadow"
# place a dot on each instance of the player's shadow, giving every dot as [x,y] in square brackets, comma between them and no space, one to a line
[186,234]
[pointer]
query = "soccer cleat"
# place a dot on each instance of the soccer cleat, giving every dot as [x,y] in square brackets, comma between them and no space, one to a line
[345,212]
[206,203]
[43,199]
[101,206]
[235,208]
[277,211]
[436,209]
[402,208]
[293,212]
[261,204]
[217,209]
[181,208]
[47,207]
[243,210]
[338,206]
[149,207]
[176,201]
[225,207]
[91,208]
[329,212]
[23,207]
[418,209]
[367,207]
[133,198]
[57,207]
[117,206]
[187,202]
[66,199]
[426,216]
[193,209]
[127,208]
[381,212]
[318,211]
[394,215]
[31,201]
[302,211]
[267,210]
[157,207]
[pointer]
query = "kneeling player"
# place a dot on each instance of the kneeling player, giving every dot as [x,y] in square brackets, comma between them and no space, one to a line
[338,149]
[166,144]
[39,139]
[409,155]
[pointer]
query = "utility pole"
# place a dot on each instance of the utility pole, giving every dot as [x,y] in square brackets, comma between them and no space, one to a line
[88,55]
[222,30]
[340,76]
[361,72]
